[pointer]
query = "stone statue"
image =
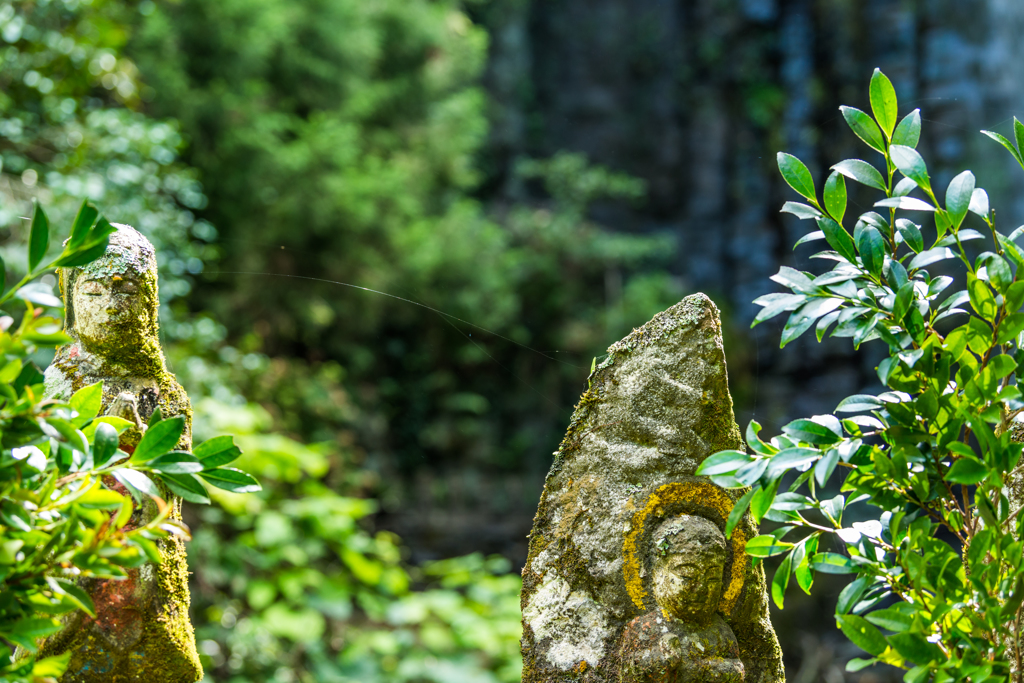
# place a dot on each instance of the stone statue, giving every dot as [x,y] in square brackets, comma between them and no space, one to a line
[141,631]
[685,640]
[629,575]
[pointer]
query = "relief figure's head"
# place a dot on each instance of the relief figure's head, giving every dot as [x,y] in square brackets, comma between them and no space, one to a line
[112,303]
[688,563]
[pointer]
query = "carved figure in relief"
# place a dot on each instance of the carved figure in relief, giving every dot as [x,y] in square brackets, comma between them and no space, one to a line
[141,631]
[684,640]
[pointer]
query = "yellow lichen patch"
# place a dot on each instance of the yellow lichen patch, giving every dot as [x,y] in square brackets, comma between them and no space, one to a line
[680,494]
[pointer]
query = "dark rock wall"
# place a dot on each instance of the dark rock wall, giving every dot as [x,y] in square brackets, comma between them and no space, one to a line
[696,96]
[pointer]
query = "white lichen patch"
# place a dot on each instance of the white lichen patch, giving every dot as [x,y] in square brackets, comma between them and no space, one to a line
[572,620]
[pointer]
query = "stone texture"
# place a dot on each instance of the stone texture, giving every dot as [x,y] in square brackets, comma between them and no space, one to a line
[141,631]
[654,409]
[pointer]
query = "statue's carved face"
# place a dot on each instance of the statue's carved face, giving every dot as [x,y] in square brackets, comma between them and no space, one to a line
[689,562]
[102,307]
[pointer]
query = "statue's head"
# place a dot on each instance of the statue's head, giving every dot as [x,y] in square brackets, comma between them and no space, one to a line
[688,561]
[112,303]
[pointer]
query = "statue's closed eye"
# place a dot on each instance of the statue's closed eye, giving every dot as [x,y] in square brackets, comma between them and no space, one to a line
[92,288]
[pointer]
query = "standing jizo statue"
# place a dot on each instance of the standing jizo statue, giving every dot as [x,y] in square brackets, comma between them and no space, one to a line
[141,631]
[630,577]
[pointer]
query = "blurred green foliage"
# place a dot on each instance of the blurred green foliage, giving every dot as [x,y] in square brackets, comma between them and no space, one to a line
[342,140]
[338,140]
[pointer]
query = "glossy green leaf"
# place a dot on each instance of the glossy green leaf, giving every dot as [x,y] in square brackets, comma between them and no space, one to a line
[766,546]
[910,164]
[862,172]
[796,175]
[137,482]
[914,647]
[781,581]
[87,401]
[176,462]
[104,444]
[832,563]
[188,486]
[738,510]
[39,237]
[838,238]
[883,102]
[159,439]
[911,234]
[1007,144]
[871,246]
[835,196]
[926,258]
[230,479]
[723,462]
[222,450]
[862,634]
[908,133]
[958,197]
[84,221]
[864,127]
[967,471]
[905,204]
[801,211]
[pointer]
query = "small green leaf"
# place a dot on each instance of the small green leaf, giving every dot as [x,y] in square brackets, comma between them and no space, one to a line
[910,164]
[87,401]
[926,258]
[958,198]
[75,593]
[176,462]
[104,444]
[914,647]
[188,486]
[137,482]
[738,510]
[1007,144]
[851,594]
[832,563]
[810,432]
[159,439]
[835,196]
[979,203]
[801,211]
[871,246]
[905,204]
[911,233]
[823,468]
[1018,134]
[230,479]
[883,102]
[862,634]
[221,450]
[909,131]
[85,219]
[864,127]
[796,175]
[862,172]
[904,300]
[766,546]
[967,471]
[39,237]
[838,238]
[781,580]
[719,463]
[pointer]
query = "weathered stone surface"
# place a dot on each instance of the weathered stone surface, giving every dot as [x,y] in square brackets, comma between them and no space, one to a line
[141,631]
[655,408]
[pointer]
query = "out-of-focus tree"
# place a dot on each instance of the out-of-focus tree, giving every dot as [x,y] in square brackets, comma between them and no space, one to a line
[71,129]
[342,140]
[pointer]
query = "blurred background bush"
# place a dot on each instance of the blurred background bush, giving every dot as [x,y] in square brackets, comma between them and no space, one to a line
[549,174]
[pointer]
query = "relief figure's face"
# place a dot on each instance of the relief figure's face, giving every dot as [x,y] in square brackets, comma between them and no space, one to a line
[103,305]
[688,572]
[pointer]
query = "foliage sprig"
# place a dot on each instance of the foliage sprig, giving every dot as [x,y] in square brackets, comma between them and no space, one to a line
[929,467]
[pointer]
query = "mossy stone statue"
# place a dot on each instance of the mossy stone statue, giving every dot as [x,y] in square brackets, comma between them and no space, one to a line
[141,631]
[629,575]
